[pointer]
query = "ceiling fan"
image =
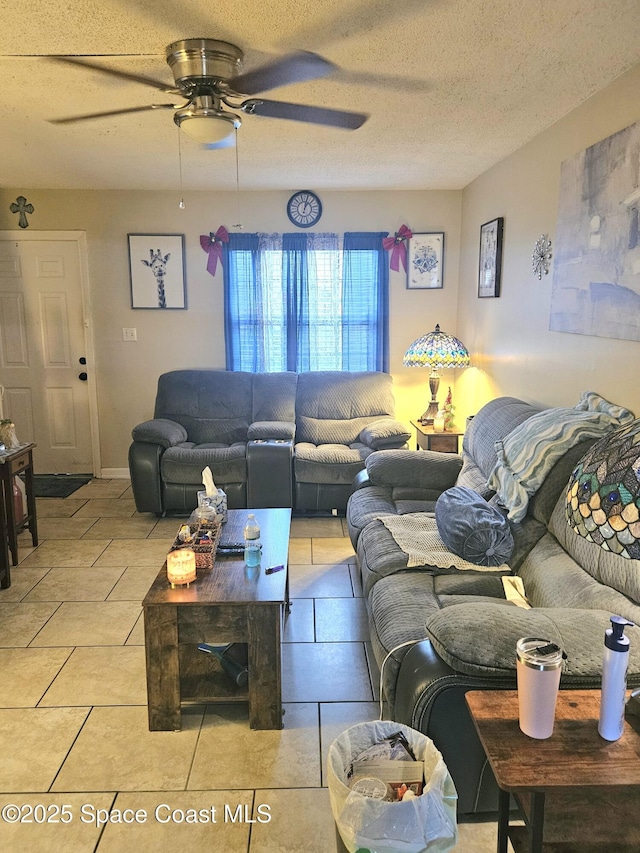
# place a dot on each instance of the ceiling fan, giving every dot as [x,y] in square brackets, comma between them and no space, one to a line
[207,75]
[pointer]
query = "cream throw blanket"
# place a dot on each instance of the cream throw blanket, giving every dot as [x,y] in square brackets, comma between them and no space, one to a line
[416,533]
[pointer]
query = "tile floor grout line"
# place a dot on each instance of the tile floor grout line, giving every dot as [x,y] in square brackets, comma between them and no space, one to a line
[68,752]
[72,649]
[48,619]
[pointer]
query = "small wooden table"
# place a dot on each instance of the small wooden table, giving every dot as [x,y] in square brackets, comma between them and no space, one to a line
[14,462]
[228,603]
[578,792]
[442,442]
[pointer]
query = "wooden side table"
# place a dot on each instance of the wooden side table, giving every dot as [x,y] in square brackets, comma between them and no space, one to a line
[443,442]
[576,791]
[14,462]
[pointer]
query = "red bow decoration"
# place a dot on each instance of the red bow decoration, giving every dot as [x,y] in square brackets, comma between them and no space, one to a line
[398,248]
[212,243]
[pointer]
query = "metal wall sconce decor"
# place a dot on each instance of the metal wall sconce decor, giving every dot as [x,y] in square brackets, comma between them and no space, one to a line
[541,256]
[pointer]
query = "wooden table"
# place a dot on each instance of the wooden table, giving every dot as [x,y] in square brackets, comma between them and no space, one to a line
[228,603]
[14,462]
[578,792]
[443,442]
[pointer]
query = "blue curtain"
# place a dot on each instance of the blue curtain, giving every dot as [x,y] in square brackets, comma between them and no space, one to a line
[365,302]
[295,276]
[296,302]
[242,326]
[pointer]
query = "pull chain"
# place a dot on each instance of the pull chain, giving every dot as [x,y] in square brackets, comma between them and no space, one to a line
[238,224]
[181,205]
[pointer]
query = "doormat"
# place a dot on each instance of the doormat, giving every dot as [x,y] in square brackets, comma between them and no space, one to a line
[58,485]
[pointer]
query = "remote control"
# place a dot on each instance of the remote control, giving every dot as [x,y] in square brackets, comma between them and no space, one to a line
[231,548]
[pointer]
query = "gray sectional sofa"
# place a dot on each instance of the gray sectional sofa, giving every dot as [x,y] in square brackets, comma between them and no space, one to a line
[270,439]
[440,627]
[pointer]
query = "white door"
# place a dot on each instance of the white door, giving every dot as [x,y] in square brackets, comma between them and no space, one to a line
[44,364]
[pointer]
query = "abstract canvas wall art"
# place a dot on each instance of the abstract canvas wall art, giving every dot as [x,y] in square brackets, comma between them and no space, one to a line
[596,273]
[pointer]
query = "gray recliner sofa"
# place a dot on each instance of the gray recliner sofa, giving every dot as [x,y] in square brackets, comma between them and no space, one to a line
[270,439]
[439,629]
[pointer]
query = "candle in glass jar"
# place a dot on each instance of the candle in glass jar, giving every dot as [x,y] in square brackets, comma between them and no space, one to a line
[438,422]
[181,567]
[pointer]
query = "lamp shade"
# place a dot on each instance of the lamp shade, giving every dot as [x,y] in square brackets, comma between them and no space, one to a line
[203,120]
[207,129]
[436,350]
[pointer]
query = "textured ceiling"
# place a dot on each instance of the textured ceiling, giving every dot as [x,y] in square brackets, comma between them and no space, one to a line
[451,87]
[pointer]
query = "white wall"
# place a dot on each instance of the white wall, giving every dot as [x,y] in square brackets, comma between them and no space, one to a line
[512,348]
[127,373]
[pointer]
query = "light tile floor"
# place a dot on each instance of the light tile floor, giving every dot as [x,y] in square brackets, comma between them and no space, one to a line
[74,739]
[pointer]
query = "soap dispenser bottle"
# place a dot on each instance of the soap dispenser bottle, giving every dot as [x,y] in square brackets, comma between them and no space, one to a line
[614,679]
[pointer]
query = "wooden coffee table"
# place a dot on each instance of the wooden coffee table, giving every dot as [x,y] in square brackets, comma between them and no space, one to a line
[578,792]
[228,603]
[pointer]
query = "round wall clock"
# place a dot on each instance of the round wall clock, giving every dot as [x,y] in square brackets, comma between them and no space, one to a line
[304,208]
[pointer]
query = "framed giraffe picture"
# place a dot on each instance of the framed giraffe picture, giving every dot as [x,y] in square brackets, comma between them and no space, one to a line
[157,269]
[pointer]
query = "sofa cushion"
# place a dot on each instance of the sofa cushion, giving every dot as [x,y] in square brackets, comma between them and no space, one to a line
[328,463]
[614,571]
[214,406]
[274,396]
[398,605]
[185,463]
[461,637]
[418,469]
[385,433]
[603,495]
[472,529]
[493,422]
[552,576]
[529,452]
[333,407]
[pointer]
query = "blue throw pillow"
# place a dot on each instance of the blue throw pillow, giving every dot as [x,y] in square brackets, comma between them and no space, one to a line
[472,528]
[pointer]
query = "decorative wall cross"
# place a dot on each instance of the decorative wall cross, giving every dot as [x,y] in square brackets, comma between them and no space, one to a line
[20,206]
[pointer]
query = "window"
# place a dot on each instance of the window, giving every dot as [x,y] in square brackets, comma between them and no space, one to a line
[306,302]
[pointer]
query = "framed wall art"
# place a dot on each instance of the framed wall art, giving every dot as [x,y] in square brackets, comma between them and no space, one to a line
[157,269]
[596,266]
[490,266]
[425,261]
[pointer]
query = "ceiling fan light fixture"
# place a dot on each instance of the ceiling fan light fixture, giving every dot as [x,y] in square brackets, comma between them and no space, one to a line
[206,126]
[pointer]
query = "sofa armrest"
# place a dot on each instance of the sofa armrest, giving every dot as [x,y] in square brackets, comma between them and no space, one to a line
[419,469]
[160,431]
[385,433]
[271,430]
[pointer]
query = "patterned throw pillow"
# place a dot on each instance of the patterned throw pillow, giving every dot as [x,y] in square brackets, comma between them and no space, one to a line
[603,494]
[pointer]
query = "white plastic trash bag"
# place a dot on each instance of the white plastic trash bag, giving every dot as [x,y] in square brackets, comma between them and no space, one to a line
[427,822]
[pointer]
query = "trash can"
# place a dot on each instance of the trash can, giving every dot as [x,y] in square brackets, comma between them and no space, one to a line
[425,823]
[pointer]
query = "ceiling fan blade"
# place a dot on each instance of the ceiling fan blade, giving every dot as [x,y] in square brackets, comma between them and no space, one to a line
[396,82]
[113,72]
[88,116]
[302,112]
[350,19]
[295,67]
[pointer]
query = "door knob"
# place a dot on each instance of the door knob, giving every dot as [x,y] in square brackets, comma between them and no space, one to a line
[82,360]
[82,376]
